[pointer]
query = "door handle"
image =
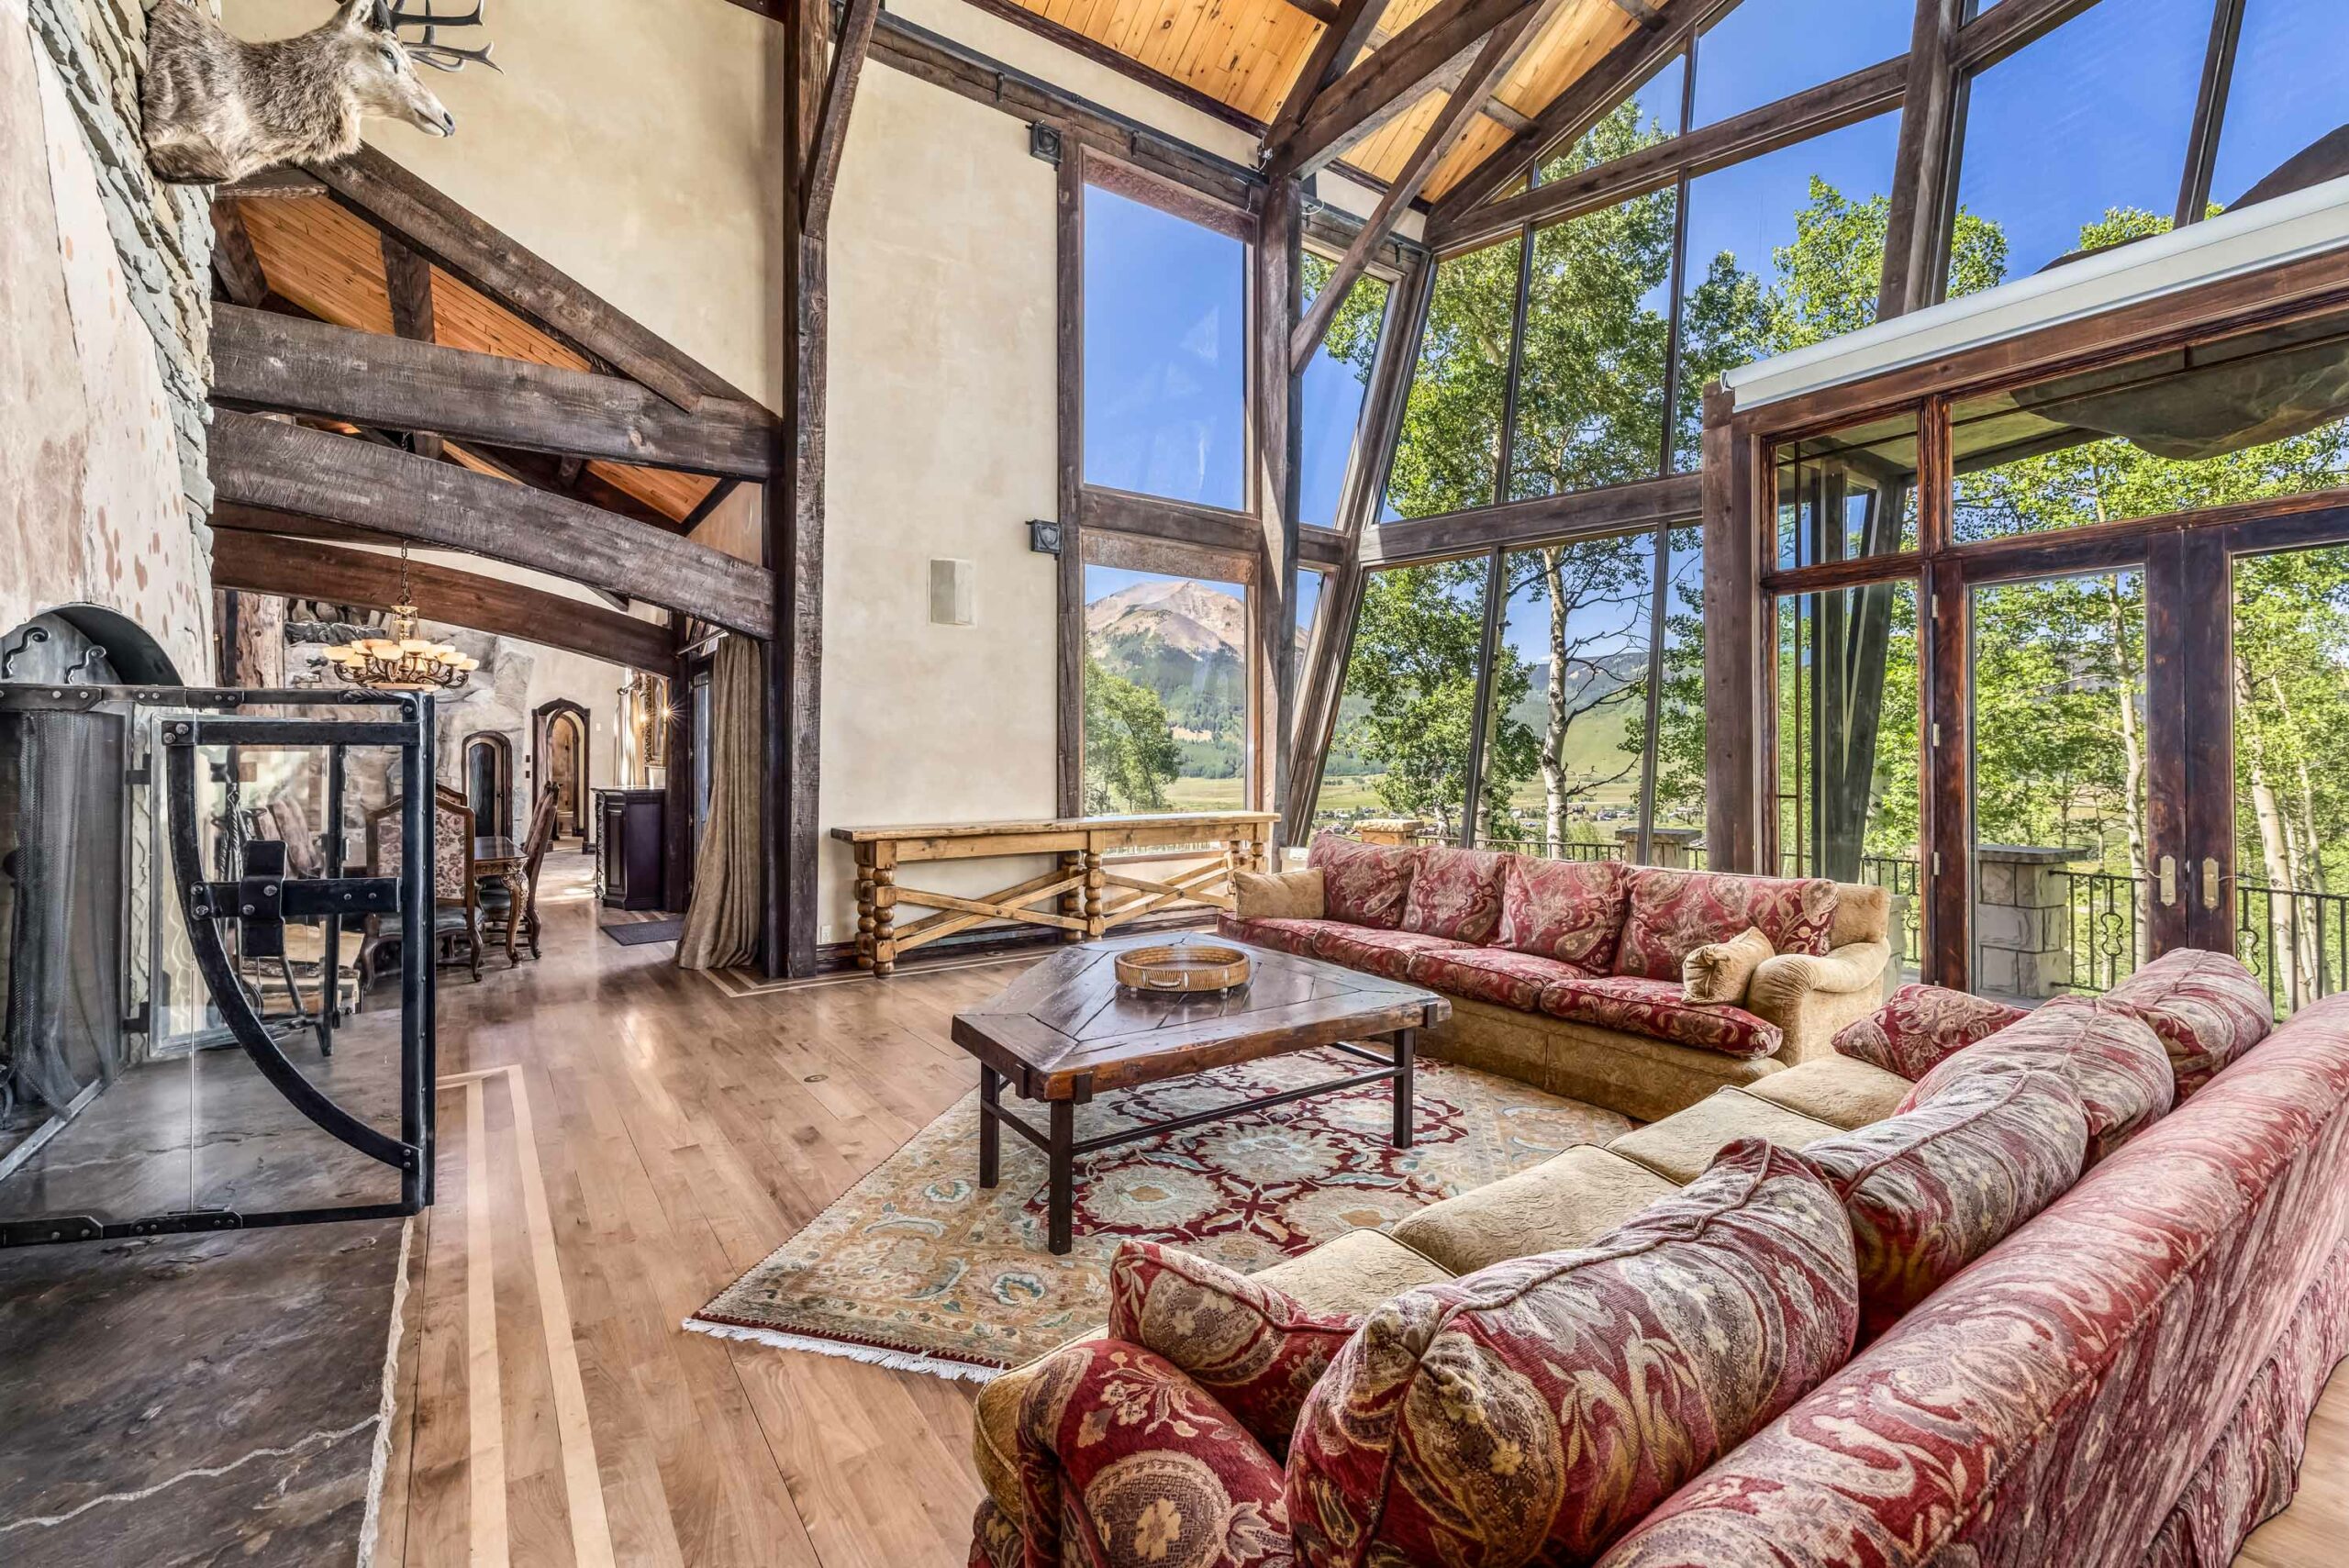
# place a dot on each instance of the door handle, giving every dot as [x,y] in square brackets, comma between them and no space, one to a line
[2210,883]
[2169,882]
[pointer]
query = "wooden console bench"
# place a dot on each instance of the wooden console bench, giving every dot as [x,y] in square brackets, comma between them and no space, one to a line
[1101,881]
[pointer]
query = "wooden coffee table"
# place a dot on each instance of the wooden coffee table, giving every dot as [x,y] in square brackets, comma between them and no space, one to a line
[1066,1030]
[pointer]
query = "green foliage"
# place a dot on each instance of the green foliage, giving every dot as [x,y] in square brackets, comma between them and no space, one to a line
[1130,755]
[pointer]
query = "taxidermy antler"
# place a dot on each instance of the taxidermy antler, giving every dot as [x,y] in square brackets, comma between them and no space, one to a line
[218,108]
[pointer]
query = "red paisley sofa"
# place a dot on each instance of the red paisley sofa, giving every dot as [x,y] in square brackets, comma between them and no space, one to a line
[2123,1379]
[1566,975]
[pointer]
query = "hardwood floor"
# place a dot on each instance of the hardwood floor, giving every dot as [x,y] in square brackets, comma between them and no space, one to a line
[619,1140]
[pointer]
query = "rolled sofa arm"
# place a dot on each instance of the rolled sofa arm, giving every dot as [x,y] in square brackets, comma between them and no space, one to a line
[1809,998]
[1119,1444]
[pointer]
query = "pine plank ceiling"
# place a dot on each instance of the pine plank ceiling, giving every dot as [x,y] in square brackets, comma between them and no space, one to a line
[321,258]
[1245,53]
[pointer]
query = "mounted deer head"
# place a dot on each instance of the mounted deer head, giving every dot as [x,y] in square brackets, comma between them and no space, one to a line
[218,108]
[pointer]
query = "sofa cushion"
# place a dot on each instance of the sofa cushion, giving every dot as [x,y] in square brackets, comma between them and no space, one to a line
[1352,1272]
[2207,1009]
[1282,935]
[1671,913]
[1921,1026]
[1569,1200]
[1537,1409]
[1256,1348]
[1657,1009]
[1376,952]
[1833,1089]
[2107,1053]
[1364,884]
[1719,972]
[1278,895]
[1455,894]
[1500,975]
[1680,1147]
[1569,910]
[1933,1190]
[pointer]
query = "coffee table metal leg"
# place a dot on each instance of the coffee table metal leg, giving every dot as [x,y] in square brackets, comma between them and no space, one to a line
[1061,1198]
[990,1130]
[1405,1043]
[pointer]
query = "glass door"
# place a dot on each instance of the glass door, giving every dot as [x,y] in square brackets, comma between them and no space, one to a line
[2065,874]
[2286,680]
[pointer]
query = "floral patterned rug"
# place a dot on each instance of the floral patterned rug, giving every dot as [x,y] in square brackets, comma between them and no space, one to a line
[918,1267]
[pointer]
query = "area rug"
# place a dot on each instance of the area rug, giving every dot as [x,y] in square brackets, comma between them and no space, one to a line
[918,1267]
[642,933]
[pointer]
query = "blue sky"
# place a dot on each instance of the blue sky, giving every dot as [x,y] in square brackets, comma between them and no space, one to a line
[2093,116]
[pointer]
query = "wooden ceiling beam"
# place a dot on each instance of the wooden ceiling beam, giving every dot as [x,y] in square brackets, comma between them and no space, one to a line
[298,568]
[1346,109]
[1341,39]
[1844,101]
[286,467]
[392,200]
[272,362]
[1494,61]
[557,477]
[234,261]
[1588,99]
[823,170]
[407,282]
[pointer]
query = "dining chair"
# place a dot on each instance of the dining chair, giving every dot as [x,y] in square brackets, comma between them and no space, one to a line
[456,897]
[497,899]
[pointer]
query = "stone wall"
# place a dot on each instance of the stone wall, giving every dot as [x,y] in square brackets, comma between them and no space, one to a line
[162,234]
[103,491]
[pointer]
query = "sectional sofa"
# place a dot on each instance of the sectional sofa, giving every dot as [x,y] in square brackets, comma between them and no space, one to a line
[1978,1289]
[1566,975]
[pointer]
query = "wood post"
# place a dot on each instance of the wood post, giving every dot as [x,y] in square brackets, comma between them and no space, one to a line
[1276,264]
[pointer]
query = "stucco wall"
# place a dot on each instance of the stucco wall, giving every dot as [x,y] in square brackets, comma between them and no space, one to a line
[93,502]
[941,444]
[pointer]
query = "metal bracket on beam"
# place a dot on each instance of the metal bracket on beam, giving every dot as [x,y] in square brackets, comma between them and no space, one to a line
[1045,536]
[1044,142]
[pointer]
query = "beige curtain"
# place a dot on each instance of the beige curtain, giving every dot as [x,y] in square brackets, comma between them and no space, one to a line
[722,921]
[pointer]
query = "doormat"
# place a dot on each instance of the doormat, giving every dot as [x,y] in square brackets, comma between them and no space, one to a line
[919,1268]
[639,933]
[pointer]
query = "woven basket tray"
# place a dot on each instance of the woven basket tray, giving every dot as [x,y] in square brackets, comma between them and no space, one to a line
[1192,967]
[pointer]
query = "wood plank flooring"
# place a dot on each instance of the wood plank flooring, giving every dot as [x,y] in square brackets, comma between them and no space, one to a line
[619,1140]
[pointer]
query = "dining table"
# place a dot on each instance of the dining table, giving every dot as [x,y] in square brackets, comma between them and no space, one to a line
[497,857]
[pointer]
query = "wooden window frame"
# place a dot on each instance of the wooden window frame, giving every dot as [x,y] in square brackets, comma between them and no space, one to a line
[2177,548]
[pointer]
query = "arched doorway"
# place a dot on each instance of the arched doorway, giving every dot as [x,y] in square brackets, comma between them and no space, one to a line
[489,784]
[559,762]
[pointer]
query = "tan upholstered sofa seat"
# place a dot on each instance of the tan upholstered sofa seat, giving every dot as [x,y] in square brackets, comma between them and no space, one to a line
[1567,1201]
[1834,1089]
[1682,1145]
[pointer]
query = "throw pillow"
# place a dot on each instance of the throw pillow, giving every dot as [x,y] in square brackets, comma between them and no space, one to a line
[2207,1009]
[1569,910]
[1719,972]
[1672,912]
[1363,884]
[1922,1027]
[1256,1349]
[1455,894]
[1537,1409]
[1277,895]
[1930,1192]
[2107,1054]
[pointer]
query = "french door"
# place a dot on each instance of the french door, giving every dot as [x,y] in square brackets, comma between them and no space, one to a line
[2137,740]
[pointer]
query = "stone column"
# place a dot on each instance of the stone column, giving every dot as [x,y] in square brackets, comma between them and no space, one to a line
[2023,920]
[1675,847]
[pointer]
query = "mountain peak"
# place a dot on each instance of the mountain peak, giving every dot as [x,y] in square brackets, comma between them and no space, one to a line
[1181,612]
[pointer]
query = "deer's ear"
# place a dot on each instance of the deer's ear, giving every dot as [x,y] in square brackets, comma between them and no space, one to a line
[365,17]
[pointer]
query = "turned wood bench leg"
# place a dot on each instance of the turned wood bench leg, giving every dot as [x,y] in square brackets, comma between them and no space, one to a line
[884,918]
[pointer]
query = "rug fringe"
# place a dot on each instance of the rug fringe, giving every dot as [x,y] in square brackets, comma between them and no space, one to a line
[872,1355]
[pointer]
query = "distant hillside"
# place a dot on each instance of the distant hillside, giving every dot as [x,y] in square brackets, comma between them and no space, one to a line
[1187,642]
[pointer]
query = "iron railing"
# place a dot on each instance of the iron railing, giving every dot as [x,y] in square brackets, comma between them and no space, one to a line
[2296,942]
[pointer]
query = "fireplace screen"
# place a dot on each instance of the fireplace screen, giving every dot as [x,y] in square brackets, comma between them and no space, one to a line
[215,958]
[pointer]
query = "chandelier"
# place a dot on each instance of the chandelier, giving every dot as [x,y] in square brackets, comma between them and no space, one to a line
[402,662]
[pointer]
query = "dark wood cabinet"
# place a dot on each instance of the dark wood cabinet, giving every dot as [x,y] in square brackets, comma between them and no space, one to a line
[632,868]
